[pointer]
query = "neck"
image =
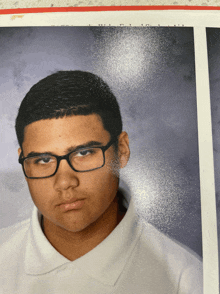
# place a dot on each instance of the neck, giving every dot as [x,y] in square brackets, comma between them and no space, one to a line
[73,245]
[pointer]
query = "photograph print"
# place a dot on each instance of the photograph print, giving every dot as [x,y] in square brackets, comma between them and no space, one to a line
[99,169]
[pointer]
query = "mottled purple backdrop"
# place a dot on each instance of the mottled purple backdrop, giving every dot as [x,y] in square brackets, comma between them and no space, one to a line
[213,44]
[152,72]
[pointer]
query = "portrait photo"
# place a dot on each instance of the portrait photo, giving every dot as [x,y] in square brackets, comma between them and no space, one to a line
[151,72]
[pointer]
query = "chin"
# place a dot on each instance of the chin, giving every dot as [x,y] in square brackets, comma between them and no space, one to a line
[76,227]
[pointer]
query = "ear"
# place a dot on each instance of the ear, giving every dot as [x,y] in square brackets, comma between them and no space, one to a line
[123,149]
[19,151]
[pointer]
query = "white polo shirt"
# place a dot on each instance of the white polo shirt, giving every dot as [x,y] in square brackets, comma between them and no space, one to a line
[135,258]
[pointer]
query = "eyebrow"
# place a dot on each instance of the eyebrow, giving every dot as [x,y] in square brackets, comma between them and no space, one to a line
[70,149]
[86,145]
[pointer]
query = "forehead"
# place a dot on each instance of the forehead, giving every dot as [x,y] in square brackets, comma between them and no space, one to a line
[55,135]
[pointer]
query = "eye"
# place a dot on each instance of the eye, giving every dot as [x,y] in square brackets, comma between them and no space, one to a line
[85,152]
[43,160]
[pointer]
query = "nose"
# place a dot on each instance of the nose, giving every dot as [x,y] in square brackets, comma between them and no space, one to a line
[65,177]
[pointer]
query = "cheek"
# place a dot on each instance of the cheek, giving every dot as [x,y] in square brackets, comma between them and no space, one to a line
[105,178]
[104,182]
[40,190]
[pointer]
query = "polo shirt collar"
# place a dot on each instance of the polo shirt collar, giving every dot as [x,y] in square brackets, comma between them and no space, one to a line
[104,263]
[40,256]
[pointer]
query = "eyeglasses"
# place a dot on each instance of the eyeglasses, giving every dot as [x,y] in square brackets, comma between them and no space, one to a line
[45,165]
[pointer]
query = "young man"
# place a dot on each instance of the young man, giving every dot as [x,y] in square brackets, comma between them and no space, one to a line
[80,238]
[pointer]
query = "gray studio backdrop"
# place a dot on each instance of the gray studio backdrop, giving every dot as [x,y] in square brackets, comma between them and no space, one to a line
[213,42]
[151,71]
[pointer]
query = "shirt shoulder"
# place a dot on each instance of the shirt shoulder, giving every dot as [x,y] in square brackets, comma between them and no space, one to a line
[182,264]
[166,246]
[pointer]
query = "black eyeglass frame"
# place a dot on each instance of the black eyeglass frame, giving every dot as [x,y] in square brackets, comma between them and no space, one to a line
[66,157]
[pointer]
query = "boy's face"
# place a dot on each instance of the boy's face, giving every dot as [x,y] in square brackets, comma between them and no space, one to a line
[74,200]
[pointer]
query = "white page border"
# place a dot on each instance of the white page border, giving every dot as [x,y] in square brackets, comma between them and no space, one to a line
[199,20]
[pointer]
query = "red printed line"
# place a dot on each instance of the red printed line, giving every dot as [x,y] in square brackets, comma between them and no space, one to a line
[104,8]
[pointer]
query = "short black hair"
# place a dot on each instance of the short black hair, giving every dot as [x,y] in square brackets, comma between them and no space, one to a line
[67,93]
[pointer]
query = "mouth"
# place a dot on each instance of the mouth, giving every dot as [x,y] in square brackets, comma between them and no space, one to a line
[72,205]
